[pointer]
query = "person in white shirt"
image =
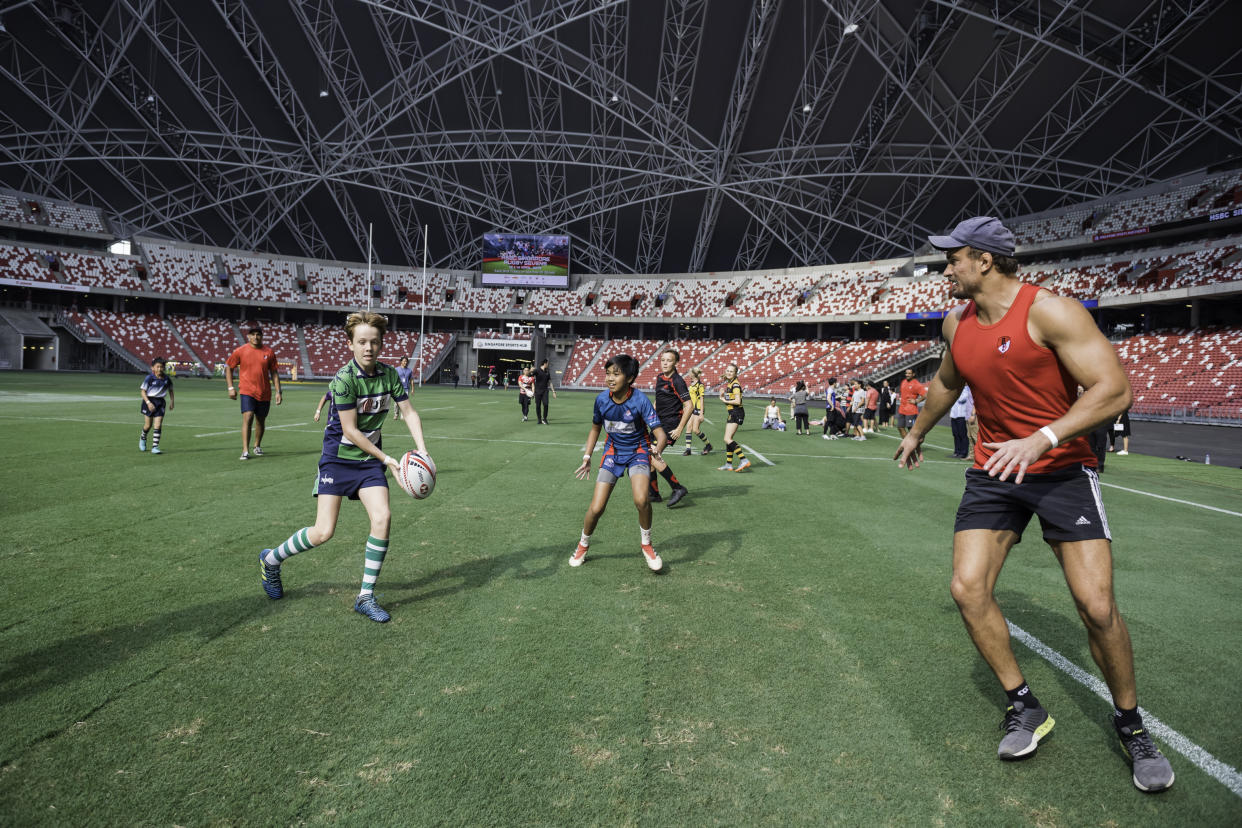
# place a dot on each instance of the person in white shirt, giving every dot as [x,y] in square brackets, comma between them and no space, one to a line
[772,416]
[858,403]
[961,411]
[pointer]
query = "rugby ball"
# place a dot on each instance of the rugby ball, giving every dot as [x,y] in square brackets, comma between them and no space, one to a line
[416,473]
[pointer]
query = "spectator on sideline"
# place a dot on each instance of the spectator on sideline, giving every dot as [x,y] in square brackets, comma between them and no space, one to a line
[886,405]
[771,415]
[543,384]
[961,411]
[406,374]
[257,374]
[1121,428]
[911,395]
[858,404]
[873,404]
[798,410]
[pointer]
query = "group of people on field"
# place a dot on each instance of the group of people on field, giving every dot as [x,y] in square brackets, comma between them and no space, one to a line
[1027,368]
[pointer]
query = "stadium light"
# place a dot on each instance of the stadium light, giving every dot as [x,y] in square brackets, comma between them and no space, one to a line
[806,107]
[614,98]
[323,93]
[850,28]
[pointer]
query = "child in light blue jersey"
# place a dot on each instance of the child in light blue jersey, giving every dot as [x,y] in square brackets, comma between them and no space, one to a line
[155,387]
[353,462]
[629,420]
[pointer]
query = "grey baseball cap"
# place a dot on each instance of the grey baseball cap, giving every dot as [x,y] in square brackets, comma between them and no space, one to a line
[981,232]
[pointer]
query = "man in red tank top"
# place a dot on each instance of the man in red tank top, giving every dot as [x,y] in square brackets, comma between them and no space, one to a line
[1024,351]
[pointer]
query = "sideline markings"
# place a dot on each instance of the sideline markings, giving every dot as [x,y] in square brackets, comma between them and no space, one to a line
[1172,499]
[1122,488]
[1227,775]
[750,450]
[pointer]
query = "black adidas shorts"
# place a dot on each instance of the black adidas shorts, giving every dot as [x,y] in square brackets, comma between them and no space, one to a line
[736,415]
[1067,502]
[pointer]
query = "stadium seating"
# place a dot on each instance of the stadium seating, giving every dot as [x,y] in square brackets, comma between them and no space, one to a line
[82,322]
[1181,372]
[282,338]
[211,339]
[691,352]
[641,349]
[470,299]
[24,263]
[545,302]
[182,271]
[626,297]
[778,372]
[584,350]
[11,210]
[928,294]
[328,350]
[334,285]
[743,353]
[415,290]
[768,295]
[94,270]
[144,335]
[262,279]
[842,294]
[69,217]
[697,298]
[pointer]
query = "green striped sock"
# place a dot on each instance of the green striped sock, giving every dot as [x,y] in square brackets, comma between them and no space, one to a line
[299,541]
[377,548]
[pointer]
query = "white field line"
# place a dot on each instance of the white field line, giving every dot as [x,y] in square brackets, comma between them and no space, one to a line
[238,430]
[750,450]
[1200,758]
[1172,499]
[1123,488]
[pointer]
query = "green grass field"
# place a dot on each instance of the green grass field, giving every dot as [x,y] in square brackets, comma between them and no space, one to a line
[799,662]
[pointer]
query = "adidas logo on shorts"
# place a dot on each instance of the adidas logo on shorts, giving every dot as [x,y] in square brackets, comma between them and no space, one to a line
[1082,521]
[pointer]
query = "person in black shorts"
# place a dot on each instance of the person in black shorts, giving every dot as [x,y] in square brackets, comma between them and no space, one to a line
[672,404]
[1021,349]
[543,384]
[731,396]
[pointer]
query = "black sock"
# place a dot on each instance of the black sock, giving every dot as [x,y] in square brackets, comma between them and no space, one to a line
[1022,694]
[668,475]
[1127,718]
[703,437]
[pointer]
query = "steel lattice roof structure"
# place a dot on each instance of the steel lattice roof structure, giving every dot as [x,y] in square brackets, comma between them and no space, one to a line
[665,136]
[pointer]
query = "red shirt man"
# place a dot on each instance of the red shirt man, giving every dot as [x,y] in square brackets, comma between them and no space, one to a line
[257,371]
[912,393]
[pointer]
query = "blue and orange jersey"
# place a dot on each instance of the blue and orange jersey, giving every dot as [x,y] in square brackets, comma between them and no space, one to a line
[627,423]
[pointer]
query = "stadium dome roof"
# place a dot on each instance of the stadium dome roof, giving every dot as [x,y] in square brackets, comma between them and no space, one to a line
[662,135]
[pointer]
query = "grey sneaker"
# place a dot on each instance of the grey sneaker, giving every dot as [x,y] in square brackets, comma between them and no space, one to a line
[1152,772]
[1024,727]
[258,452]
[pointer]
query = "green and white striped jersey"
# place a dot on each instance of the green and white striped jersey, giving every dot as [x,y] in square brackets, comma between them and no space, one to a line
[368,394]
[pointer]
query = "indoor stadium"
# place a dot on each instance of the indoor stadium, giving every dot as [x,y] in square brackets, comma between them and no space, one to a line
[262,257]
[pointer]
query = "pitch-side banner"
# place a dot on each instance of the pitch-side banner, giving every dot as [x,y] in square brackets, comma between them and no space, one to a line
[30,283]
[481,343]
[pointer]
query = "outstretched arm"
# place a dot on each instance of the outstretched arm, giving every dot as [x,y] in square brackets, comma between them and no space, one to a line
[587,450]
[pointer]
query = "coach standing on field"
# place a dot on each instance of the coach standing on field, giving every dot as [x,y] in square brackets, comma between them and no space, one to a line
[1024,351]
[543,384]
[257,372]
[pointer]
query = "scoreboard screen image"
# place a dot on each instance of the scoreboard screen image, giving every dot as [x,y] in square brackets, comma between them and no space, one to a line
[511,260]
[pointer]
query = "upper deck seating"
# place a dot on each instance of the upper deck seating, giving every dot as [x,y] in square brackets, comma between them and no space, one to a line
[262,279]
[697,298]
[97,270]
[24,263]
[182,271]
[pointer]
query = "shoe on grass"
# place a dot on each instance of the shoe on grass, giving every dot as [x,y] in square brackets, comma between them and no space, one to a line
[677,495]
[1152,772]
[365,605]
[725,467]
[245,456]
[258,452]
[156,450]
[270,577]
[142,443]
[745,464]
[1024,727]
[653,560]
[579,556]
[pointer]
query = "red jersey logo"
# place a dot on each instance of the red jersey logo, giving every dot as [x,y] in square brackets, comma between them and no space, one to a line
[1002,344]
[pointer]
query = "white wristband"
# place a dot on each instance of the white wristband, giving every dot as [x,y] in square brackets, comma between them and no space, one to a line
[586,457]
[1052,437]
[387,459]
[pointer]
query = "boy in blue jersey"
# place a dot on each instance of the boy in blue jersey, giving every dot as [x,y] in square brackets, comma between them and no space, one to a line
[353,462]
[154,389]
[629,420]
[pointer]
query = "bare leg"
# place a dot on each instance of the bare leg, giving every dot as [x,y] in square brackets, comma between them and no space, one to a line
[259,423]
[327,509]
[247,419]
[639,485]
[599,502]
[978,555]
[1088,567]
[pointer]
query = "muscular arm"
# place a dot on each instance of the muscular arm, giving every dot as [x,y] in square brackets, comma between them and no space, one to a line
[1065,326]
[276,382]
